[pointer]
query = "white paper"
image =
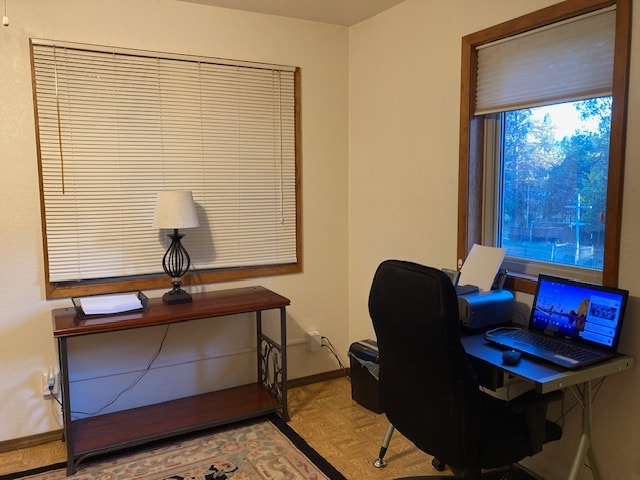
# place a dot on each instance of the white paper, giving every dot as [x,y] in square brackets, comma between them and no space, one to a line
[481,266]
[105,304]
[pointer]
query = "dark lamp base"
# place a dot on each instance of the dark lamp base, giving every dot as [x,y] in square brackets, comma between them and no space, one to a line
[173,297]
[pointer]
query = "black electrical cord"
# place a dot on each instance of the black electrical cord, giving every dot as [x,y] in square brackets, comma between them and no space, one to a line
[329,345]
[132,384]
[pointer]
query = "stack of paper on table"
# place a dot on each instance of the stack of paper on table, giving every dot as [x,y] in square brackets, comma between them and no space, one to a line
[106,304]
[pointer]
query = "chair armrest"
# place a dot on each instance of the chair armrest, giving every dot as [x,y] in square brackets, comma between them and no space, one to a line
[534,406]
[532,399]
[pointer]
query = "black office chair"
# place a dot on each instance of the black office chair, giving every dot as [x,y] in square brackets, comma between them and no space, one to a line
[428,387]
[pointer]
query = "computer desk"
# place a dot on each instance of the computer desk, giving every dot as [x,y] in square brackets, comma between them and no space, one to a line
[546,377]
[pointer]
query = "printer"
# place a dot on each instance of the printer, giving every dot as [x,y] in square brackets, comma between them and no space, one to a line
[480,311]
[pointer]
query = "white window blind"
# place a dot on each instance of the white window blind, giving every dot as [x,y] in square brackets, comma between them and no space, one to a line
[115,127]
[565,61]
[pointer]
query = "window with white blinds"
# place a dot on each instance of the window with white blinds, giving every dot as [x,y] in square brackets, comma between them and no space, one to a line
[115,127]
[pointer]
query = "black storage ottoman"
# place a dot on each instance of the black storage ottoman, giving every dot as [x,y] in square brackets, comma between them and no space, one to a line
[364,362]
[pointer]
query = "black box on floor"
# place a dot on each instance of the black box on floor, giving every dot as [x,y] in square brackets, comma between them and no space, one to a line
[364,362]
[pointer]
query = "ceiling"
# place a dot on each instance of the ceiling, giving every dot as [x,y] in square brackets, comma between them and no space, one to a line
[337,12]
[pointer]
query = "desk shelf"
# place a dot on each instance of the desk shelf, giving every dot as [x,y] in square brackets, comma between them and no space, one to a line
[114,431]
[140,425]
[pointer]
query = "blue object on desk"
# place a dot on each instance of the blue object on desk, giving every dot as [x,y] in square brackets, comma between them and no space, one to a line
[511,357]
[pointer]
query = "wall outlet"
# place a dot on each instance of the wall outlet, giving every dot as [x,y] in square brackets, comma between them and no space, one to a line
[50,382]
[314,341]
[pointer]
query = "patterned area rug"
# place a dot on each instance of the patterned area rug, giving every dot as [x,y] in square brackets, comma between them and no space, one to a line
[263,450]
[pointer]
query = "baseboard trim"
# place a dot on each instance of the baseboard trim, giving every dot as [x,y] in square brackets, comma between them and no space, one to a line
[58,435]
[319,377]
[31,441]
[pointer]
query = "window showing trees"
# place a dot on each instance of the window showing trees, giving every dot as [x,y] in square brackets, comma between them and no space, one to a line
[554,163]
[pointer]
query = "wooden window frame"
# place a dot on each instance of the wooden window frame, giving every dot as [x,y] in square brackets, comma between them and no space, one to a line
[470,176]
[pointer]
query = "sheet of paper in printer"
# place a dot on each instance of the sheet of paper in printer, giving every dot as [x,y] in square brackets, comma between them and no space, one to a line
[481,266]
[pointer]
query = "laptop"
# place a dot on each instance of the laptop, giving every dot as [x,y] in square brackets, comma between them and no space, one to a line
[580,321]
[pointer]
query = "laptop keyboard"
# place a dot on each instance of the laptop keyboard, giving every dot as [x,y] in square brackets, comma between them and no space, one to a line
[554,346]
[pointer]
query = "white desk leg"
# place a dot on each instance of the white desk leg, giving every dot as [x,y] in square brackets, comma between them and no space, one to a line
[584,447]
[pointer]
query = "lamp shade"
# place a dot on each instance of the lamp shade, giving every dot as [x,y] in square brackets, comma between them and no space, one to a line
[175,209]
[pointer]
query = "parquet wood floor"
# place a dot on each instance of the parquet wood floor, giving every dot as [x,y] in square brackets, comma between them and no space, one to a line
[349,436]
[345,433]
[32,457]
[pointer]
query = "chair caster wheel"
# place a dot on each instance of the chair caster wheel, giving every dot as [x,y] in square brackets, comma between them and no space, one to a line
[438,465]
[379,463]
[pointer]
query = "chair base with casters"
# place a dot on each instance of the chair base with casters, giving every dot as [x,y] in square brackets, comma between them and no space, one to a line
[513,472]
[501,474]
[532,403]
[381,462]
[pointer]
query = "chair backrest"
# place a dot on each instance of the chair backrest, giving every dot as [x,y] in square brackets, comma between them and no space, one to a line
[427,384]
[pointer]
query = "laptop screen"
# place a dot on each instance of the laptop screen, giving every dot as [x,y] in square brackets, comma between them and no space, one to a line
[589,313]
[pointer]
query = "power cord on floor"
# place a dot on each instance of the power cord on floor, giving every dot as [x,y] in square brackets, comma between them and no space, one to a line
[325,342]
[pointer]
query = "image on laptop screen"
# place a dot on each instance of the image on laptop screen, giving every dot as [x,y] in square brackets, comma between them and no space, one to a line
[568,308]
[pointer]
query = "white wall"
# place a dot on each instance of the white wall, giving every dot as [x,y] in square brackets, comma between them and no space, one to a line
[203,354]
[404,91]
[395,197]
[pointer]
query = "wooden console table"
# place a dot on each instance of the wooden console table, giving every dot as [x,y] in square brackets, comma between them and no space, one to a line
[105,433]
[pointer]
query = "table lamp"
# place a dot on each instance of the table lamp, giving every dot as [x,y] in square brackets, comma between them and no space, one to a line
[175,209]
